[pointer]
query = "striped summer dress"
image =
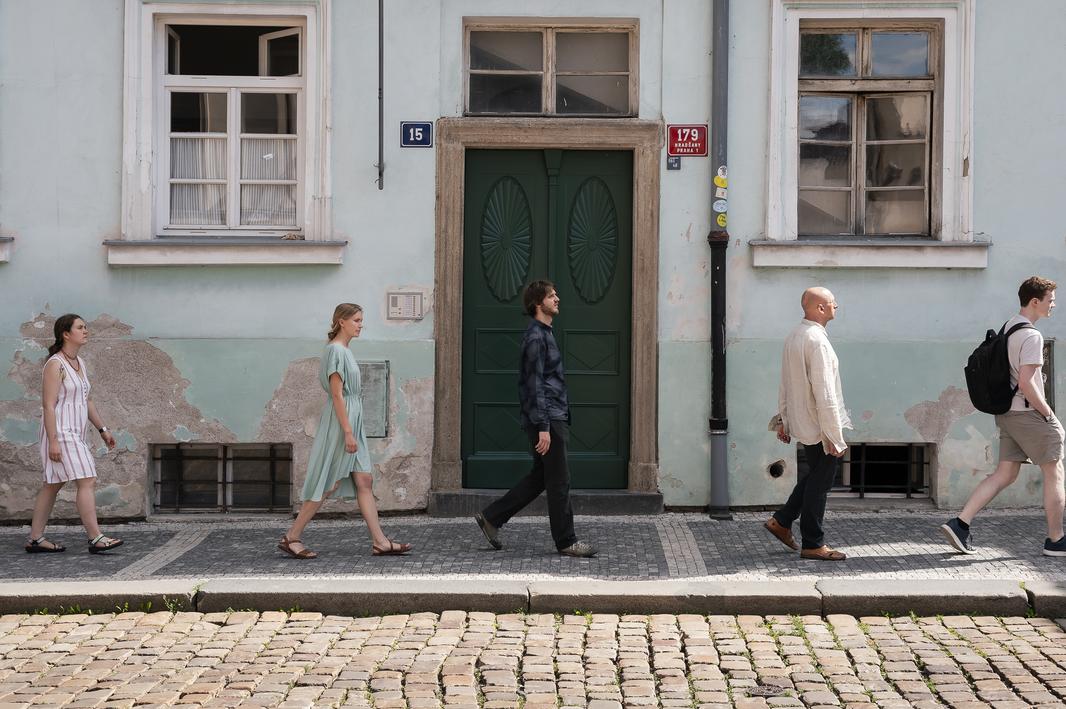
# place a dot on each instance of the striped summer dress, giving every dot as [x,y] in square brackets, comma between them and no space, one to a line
[72,413]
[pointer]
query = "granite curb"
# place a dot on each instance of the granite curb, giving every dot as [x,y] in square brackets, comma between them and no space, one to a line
[360,596]
[671,596]
[98,596]
[923,597]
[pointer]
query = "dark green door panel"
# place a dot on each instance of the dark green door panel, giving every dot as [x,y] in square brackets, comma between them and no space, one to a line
[564,216]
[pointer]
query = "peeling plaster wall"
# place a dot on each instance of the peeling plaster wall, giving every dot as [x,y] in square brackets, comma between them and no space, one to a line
[147,396]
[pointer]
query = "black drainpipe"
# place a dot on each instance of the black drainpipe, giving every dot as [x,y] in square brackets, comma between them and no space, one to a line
[381,95]
[719,240]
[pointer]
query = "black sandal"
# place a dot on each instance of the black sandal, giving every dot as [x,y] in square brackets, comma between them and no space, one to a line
[95,547]
[37,546]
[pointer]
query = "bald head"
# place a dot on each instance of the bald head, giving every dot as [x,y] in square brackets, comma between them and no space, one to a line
[818,304]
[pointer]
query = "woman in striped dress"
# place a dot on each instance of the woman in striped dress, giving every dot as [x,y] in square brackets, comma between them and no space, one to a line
[64,453]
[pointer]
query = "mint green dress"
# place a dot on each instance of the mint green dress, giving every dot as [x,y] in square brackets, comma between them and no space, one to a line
[329,461]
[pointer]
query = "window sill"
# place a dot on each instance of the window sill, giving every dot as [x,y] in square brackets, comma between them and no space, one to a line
[869,253]
[7,245]
[223,252]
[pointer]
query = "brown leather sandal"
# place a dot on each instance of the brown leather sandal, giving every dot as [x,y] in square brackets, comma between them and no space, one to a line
[305,553]
[823,553]
[783,533]
[393,549]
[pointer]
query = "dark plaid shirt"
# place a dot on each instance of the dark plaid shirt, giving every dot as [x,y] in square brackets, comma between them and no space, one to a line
[541,382]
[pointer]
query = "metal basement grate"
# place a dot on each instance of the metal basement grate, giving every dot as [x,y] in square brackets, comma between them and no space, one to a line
[879,470]
[199,477]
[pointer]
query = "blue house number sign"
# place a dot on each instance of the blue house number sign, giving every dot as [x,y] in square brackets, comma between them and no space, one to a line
[416,134]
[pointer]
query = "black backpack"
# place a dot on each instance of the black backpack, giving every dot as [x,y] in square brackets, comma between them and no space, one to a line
[988,372]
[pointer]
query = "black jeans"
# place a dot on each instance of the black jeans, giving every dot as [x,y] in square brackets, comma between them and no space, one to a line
[807,500]
[550,473]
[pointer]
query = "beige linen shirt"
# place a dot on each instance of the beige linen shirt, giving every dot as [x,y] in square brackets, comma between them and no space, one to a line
[810,399]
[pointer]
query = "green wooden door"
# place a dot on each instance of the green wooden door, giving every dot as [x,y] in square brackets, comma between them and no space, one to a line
[565,216]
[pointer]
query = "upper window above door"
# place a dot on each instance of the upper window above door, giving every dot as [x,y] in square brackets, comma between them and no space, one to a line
[545,68]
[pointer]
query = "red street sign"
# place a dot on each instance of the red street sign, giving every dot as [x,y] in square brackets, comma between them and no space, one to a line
[687,140]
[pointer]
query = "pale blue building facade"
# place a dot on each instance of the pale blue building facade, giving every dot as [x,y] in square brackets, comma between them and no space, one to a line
[205,221]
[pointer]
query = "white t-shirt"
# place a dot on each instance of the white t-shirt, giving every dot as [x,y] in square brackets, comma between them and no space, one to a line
[1026,346]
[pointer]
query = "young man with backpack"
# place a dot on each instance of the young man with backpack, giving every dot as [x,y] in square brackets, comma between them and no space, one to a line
[1029,431]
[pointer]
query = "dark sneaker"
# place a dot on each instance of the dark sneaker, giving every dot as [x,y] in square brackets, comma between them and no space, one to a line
[491,533]
[582,550]
[959,537]
[1055,548]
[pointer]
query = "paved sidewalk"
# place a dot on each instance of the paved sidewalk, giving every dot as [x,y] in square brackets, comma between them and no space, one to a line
[898,545]
[459,660]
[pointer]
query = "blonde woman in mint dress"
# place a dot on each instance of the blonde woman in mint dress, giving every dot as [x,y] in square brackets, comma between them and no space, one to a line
[340,459]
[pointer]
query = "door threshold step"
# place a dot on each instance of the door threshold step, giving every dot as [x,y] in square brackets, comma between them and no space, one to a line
[464,503]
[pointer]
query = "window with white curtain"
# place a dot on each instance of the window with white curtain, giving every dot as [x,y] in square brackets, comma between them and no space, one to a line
[232,119]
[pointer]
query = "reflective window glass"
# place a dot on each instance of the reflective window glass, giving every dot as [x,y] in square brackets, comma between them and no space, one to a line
[507,51]
[900,54]
[273,114]
[903,117]
[505,93]
[197,112]
[825,118]
[592,51]
[827,54]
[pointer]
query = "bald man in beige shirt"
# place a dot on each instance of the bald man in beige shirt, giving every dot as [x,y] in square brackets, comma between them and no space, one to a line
[811,410]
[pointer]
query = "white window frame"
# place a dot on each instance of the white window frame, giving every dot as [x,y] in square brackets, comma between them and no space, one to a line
[955,215]
[233,87]
[145,53]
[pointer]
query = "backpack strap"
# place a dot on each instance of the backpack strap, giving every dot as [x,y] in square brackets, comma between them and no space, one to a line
[1015,328]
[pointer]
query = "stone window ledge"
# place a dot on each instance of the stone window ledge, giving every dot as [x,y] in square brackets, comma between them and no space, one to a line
[869,253]
[7,245]
[223,252]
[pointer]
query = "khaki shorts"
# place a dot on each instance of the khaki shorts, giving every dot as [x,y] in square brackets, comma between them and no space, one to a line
[1024,436]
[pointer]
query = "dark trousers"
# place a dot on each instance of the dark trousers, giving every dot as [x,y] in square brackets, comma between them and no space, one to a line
[550,473]
[807,500]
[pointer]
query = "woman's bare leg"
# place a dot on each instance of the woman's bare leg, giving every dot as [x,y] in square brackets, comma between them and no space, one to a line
[308,510]
[85,501]
[42,508]
[368,507]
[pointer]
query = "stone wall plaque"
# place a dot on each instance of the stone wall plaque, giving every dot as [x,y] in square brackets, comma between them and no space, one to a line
[375,398]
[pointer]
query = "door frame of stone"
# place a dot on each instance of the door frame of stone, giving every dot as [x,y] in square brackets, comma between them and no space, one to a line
[454,137]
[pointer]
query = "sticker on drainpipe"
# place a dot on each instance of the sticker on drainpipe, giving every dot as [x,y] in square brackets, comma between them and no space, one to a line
[721,220]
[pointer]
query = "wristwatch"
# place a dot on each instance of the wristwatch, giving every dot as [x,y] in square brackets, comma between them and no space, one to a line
[104,429]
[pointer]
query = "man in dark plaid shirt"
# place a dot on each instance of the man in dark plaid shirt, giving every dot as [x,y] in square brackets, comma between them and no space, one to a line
[546,419]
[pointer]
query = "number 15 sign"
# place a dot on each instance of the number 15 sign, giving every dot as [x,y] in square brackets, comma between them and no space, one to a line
[688,140]
[416,134]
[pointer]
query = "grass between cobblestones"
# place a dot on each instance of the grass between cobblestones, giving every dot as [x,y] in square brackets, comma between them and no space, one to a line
[460,660]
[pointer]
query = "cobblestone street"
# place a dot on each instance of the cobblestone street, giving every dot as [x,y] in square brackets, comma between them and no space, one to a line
[466,661]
